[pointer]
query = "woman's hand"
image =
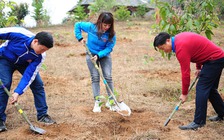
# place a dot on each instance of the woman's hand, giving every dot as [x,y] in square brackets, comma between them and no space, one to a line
[83,41]
[95,58]
[14,98]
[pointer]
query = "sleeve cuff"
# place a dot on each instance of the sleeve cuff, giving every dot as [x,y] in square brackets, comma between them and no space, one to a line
[80,39]
[17,90]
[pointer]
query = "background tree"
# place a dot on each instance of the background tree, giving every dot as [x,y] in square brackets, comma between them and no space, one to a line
[20,11]
[46,18]
[192,15]
[122,13]
[220,8]
[79,14]
[5,19]
[101,5]
[141,10]
[40,14]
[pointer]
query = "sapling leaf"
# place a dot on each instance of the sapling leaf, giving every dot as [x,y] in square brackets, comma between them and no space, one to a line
[101,103]
[99,97]
[115,93]
[44,67]
[111,102]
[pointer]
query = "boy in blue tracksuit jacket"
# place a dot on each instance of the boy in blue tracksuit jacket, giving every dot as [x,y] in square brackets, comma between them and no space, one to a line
[101,41]
[25,52]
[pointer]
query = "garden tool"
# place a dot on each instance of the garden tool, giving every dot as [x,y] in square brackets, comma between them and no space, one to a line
[122,109]
[178,105]
[32,127]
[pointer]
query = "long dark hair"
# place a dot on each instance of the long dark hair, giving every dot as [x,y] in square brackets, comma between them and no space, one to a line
[107,18]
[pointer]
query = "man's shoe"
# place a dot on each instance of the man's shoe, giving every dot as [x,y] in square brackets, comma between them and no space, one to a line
[191,126]
[46,119]
[97,106]
[2,126]
[215,118]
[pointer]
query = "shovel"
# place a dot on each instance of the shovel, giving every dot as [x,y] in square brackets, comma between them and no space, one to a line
[123,109]
[178,105]
[32,127]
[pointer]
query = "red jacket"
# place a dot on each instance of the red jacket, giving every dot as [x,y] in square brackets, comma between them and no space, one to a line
[192,47]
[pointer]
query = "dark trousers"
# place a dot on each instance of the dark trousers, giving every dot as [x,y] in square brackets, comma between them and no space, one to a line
[207,89]
[6,72]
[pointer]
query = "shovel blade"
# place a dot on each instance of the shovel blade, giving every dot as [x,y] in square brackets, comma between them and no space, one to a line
[123,109]
[37,130]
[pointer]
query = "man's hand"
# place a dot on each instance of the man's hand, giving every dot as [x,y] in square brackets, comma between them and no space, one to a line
[183,98]
[197,73]
[14,98]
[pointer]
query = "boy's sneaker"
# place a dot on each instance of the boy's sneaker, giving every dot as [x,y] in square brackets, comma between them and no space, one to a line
[46,119]
[2,126]
[111,106]
[97,107]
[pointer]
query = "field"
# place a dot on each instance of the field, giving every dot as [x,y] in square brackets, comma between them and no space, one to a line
[149,84]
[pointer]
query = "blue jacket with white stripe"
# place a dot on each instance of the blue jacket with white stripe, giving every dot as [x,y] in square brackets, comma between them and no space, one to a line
[17,49]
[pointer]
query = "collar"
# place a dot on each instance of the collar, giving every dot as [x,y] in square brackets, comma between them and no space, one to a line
[29,41]
[173,46]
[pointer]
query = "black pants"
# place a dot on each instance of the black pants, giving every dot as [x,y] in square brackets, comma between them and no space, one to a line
[207,88]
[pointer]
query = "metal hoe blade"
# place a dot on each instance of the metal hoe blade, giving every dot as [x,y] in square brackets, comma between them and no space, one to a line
[37,130]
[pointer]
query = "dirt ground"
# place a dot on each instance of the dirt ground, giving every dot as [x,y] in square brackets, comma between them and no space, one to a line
[147,83]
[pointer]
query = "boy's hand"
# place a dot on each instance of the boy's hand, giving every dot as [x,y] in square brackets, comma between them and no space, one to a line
[14,98]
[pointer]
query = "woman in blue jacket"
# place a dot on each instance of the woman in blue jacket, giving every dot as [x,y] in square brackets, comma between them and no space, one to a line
[25,52]
[100,41]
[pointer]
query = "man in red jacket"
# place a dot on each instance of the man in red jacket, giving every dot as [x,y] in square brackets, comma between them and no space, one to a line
[209,59]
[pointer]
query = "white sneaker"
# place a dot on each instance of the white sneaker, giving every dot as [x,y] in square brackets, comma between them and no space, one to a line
[97,107]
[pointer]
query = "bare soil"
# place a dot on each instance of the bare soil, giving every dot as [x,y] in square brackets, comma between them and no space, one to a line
[149,84]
